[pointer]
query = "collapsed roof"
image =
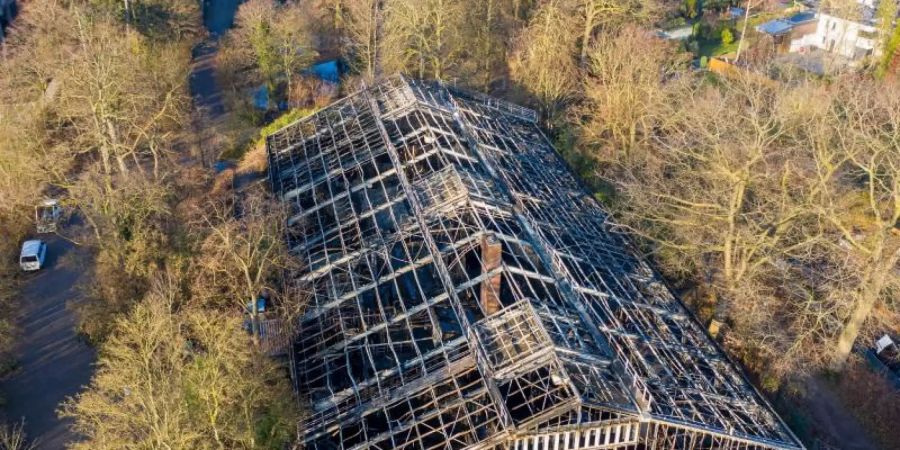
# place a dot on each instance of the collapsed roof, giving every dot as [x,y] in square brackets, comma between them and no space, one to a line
[466,292]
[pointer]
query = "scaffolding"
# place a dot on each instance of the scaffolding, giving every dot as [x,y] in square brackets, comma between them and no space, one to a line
[466,292]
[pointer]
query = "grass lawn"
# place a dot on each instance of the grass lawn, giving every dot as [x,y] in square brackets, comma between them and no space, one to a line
[762,17]
[715,47]
[236,152]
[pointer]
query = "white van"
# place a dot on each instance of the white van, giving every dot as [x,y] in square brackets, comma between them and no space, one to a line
[33,255]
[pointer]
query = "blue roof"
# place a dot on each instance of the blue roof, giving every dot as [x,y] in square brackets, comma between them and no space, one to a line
[802,17]
[775,27]
[782,26]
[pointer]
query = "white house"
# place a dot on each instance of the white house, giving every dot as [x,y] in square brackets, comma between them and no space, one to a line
[848,38]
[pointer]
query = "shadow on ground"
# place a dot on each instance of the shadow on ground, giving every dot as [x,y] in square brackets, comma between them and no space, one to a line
[53,362]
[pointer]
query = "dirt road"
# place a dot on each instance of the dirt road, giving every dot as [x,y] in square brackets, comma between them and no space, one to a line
[53,361]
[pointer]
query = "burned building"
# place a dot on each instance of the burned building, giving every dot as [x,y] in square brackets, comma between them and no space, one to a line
[466,292]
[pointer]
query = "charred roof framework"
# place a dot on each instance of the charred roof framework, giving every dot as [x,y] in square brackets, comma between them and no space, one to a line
[466,292]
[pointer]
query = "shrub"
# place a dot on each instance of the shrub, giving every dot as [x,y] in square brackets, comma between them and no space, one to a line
[727,36]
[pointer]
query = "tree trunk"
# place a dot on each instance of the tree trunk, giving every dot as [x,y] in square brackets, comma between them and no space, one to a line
[338,16]
[112,136]
[868,294]
[737,56]
[123,167]
[864,303]
[104,159]
[486,46]
[586,34]
[254,319]
[728,252]
[376,39]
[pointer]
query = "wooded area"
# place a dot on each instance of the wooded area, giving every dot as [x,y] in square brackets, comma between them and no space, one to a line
[769,200]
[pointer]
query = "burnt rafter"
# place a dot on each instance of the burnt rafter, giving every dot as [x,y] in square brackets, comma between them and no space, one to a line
[468,293]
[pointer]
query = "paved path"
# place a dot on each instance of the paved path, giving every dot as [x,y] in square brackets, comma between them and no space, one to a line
[212,117]
[54,362]
[834,424]
[204,88]
[218,15]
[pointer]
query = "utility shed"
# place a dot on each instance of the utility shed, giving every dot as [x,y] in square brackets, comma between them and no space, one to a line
[467,293]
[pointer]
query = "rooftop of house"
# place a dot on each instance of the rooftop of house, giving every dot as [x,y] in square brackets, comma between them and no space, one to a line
[782,26]
[861,11]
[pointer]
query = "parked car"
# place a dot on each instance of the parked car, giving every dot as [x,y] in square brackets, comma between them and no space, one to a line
[33,255]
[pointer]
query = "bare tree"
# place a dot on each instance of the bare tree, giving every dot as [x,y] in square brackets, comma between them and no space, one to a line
[780,202]
[176,377]
[485,41]
[543,60]
[271,42]
[609,14]
[12,437]
[719,186]
[626,81]
[95,87]
[126,97]
[34,51]
[363,28]
[857,155]
[422,36]
[244,253]
[130,218]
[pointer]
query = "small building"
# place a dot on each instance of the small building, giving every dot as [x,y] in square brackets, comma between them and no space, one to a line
[827,40]
[785,31]
[851,35]
[852,39]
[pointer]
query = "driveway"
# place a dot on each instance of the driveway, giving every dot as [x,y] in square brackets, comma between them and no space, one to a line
[53,362]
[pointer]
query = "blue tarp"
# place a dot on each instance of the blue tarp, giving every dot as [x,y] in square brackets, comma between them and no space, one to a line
[327,71]
[260,305]
[261,97]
